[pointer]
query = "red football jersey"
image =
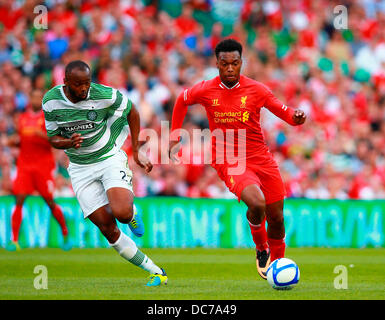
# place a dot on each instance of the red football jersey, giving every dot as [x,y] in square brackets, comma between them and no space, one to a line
[35,150]
[230,110]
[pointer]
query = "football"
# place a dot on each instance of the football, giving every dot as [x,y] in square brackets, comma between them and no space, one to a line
[283,274]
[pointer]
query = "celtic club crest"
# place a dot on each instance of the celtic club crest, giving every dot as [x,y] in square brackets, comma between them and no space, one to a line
[92,115]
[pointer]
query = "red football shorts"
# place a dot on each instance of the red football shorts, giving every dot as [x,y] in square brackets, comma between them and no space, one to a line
[267,177]
[30,179]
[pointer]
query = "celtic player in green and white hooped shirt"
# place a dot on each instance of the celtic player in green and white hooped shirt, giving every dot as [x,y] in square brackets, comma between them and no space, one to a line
[91,122]
[101,119]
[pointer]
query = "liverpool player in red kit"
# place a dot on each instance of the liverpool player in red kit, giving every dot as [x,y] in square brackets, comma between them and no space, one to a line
[233,103]
[35,167]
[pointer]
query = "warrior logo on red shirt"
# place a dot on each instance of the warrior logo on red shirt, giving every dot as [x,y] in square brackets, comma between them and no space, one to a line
[215,103]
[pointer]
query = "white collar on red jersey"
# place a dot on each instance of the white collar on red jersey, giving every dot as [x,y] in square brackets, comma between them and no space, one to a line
[223,86]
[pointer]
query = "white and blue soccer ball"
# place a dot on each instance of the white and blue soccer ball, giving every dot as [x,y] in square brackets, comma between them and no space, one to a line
[283,274]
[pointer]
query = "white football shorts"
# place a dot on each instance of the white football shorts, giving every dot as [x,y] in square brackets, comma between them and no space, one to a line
[91,181]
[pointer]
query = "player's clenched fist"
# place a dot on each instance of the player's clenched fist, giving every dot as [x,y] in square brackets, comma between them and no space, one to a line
[142,160]
[299,116]
[76,140]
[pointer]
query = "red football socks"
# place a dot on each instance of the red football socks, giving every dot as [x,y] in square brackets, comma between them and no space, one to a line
[58,214]
[259,235]
[277,248]
[17,216]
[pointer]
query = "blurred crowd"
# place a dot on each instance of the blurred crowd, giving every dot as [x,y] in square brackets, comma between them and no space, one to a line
[152,50]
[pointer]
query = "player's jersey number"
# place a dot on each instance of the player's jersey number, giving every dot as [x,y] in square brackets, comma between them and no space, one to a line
[125,177]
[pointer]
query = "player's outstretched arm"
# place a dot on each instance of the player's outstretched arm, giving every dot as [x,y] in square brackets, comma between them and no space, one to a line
[60,142]
[133,120]
[178,115]
[186,98]
[292,116]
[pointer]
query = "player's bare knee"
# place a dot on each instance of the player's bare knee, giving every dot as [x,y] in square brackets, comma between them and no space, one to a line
[256,212]
[20,199]
[124,213]
[275,219]
[257,207]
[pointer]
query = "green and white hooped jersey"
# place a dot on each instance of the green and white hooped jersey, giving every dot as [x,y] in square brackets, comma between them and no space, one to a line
[101,119]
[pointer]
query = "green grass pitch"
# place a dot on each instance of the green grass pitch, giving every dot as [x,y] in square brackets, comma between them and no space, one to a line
[194,274]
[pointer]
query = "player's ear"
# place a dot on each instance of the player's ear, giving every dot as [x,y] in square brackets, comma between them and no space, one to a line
[67,78]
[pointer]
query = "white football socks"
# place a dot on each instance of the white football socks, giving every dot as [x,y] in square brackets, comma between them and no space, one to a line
[127,249]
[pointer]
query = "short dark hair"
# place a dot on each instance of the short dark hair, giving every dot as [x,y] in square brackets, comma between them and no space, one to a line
[76,64]
[228,45]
